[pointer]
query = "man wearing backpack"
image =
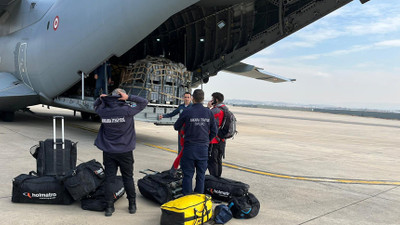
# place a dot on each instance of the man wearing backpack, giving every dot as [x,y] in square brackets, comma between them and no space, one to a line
[217,145]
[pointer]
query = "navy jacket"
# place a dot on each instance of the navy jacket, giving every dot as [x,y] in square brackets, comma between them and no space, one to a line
[101,71]
[117,130]
[200,127]
[179,110]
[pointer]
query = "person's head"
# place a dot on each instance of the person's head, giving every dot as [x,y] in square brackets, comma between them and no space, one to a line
[217,97]
[198,96]
[187,98]
[117,90]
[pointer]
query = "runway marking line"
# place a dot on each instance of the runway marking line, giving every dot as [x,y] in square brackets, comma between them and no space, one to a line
[276,175]
[284,176]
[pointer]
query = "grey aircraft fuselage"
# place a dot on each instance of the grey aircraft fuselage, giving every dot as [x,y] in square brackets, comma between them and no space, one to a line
[46,43]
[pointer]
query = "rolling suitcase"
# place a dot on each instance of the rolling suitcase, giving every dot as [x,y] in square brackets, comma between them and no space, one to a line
[55,157]
[161,187]
[224,189]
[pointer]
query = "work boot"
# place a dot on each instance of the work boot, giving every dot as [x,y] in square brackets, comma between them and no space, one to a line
[109,209]
[132,206]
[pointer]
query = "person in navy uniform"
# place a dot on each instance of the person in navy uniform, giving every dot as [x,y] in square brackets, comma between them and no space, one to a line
[117,139]
[102,75]
[187,103]
[200,128]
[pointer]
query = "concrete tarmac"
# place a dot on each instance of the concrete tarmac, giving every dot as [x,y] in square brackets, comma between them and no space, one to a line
[304,167]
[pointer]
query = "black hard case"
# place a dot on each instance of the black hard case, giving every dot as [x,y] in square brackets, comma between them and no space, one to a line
[161,187]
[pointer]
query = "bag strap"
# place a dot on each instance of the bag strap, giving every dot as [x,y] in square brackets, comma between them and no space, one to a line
[223,109]
[145,172]
[72,174]
[230,205]
[204,210]
[34,150]
[32,173]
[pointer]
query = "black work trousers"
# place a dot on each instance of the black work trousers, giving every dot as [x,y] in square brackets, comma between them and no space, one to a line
[217,151]
[111,163]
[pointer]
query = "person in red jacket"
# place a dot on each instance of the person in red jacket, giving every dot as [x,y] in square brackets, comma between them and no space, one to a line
[217,145]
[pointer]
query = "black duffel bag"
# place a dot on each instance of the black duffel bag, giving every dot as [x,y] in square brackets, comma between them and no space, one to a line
[96,201]
[45,190]
[224,189]
[86,178]
[244,207]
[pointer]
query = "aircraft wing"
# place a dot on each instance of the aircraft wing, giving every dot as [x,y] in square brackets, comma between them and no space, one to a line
[247,70]
[14,94]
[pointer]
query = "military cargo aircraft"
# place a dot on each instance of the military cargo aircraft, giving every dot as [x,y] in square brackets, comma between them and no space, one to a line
[49,47]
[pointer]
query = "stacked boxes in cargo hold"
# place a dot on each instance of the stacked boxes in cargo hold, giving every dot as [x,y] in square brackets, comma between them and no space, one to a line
[159,80]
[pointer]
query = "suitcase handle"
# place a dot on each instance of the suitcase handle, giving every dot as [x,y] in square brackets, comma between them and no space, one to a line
[62,132]
[145,172]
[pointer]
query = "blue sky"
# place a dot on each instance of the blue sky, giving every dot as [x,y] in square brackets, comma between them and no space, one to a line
[350,58]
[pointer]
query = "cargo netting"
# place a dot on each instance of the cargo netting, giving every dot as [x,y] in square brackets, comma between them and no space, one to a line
[159,80]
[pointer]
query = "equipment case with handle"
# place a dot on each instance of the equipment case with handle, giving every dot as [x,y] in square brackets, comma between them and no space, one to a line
[160,187]
[55,157]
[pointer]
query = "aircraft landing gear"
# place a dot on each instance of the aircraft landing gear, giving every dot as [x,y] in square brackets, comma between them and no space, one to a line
[95,118]
[85,115]
[90,116]
[7,116]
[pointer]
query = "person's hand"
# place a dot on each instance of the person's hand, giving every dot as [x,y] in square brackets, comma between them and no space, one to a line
[160,117]
[210,104]
[96,76]
[124,96]
[109,81]
[103,95]
[173,172]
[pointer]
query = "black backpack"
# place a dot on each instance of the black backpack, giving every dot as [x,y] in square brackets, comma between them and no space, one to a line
[244,207]
[87,177]
[222,214]
[228,126]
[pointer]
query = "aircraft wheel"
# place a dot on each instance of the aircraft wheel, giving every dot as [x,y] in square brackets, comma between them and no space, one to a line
[85,115]
[95,117]
[7,116]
